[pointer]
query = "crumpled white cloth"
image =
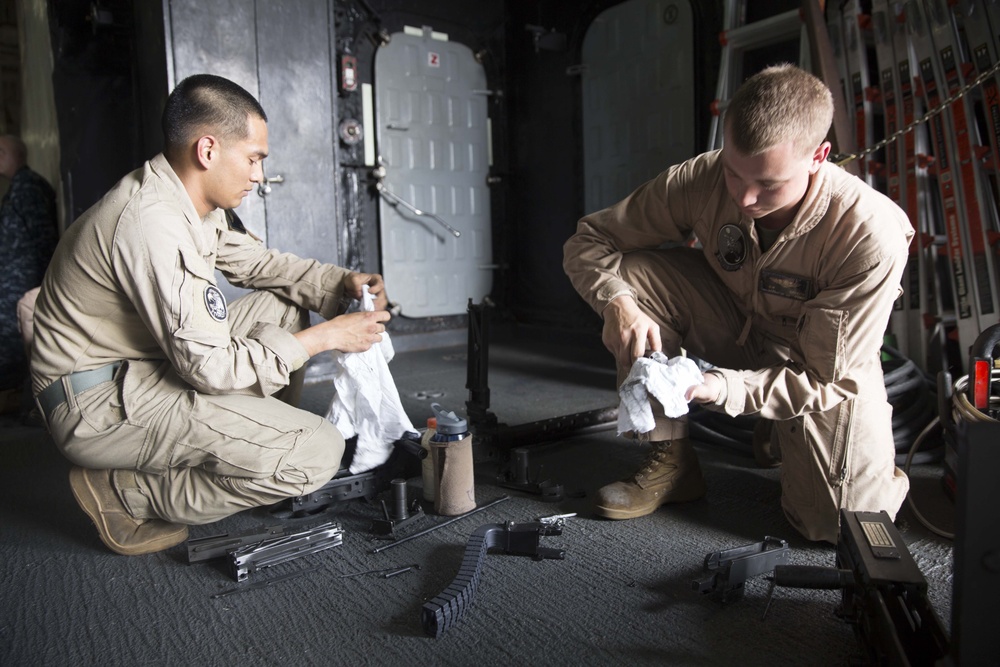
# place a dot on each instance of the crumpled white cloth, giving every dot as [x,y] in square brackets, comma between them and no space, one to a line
[366,402]
[667,380]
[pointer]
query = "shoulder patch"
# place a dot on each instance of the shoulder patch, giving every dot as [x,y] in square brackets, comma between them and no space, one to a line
[215,302]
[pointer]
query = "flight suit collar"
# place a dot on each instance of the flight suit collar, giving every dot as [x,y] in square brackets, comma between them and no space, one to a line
[161,167]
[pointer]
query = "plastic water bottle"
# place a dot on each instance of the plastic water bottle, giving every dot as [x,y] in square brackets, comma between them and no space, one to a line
[451,452]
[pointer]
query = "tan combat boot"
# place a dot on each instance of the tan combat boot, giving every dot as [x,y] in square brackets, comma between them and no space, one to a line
[118,529]
[671,474]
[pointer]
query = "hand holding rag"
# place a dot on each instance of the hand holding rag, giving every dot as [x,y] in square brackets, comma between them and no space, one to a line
[366,402]
[667,380]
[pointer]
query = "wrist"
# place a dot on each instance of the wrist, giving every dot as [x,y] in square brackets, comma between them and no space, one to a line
[718,382]
[619,304]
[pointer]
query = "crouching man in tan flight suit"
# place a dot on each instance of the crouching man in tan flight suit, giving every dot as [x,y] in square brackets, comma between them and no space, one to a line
[160,392]
[789,298]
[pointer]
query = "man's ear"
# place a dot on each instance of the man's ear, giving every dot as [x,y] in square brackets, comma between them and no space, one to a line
[207,151]
[820,155]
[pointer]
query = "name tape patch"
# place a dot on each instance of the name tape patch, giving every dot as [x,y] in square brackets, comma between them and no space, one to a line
[789,286]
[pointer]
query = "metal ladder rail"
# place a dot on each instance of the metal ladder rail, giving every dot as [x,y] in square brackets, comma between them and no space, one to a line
[990,49]
[886,92]
[957,69]
[740,38]
[856,58]
[930,82]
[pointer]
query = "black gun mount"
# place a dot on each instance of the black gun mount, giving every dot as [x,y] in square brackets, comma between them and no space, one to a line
[884,592]
[494,440]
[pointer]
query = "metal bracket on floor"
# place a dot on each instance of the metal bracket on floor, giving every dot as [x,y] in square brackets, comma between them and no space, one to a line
[278,550]
[730,568]
[516,477]
[447,608]
[497,440]
[404,462]
[217,546]
[400,513]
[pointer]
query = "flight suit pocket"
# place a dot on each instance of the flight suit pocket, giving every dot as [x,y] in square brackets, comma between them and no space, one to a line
[96,431]
[235,436]
[200,304]
[102,406]
[823,342]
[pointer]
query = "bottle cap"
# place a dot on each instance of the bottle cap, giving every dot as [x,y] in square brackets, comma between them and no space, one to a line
[448,423]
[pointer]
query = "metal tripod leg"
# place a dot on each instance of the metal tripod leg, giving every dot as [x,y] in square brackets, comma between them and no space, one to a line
[492,439]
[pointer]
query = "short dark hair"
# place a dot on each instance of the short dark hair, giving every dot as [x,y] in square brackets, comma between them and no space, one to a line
[780,103]
[207,103]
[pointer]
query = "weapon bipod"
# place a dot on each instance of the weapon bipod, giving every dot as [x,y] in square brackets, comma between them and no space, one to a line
[499,440]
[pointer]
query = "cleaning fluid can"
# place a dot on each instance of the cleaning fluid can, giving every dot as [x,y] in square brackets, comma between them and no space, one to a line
[451,452]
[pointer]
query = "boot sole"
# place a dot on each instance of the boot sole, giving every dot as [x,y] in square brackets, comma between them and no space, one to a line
[618,514]
[87,498]
[676,496]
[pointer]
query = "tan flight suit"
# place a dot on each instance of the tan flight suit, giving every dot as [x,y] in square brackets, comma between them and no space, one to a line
[796,331]
[189,422]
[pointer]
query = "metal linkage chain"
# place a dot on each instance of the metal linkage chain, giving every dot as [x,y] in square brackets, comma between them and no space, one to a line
[448,606]
[842,159]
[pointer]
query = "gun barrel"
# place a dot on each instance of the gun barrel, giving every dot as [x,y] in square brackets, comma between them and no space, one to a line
[812,576]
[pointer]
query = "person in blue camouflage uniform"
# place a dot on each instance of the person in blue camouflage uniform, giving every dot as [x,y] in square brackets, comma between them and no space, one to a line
[29,235]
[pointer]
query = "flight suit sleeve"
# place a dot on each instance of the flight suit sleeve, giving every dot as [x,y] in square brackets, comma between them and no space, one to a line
[247,263]
[661,210]
[172,287]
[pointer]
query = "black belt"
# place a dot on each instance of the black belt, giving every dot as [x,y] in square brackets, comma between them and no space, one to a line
[55,394]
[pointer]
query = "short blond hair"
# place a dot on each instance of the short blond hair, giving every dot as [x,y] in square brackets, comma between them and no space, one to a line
[780,103]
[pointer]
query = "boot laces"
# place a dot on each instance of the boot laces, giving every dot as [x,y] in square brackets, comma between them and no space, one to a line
[657,456]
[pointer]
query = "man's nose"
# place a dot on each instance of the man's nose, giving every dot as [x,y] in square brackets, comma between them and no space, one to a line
[747,196]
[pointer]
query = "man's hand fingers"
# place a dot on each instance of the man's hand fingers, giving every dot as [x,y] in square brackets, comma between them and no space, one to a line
[638,349]
[654,339]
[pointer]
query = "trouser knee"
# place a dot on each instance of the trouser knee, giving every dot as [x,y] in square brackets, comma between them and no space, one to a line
[318,458]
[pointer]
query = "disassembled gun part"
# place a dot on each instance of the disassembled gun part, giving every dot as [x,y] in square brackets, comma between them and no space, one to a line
[730,568]
[217,546]
[439,525]
[271,552]
[384,571]
[445,609]
[517,477]
[402,512]
[265,583]
[883,592]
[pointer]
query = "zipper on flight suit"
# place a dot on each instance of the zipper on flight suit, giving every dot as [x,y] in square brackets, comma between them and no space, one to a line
[837,474]
[841,482]
[755,277]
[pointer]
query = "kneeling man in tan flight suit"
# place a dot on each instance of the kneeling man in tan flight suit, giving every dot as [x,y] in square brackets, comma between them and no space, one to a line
[789,298]
[160,392]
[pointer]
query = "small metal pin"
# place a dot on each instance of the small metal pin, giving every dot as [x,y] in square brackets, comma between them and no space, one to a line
[399,571]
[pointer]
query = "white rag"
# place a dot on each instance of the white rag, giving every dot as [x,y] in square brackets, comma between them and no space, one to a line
[366,402]
[667,380]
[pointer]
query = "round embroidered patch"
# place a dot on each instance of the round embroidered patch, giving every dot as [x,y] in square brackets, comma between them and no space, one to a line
[215,301]
[732,247]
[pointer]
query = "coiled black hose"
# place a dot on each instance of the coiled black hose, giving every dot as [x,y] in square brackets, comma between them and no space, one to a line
[911,392]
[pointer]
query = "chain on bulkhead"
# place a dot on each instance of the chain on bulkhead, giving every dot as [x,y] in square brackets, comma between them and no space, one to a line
[842,159]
